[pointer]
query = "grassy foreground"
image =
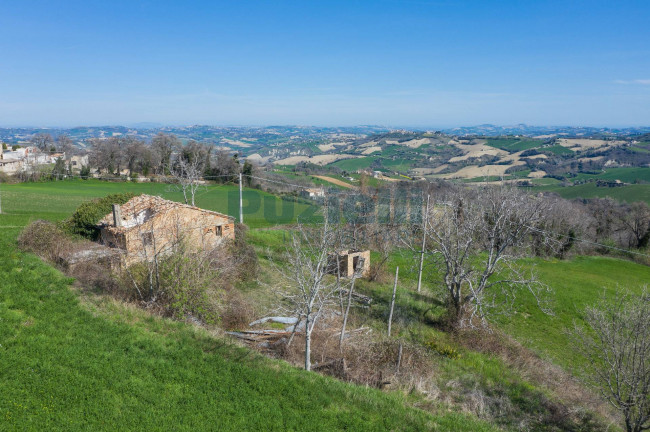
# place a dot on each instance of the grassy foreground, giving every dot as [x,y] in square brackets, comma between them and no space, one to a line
[575,284]
[68,365]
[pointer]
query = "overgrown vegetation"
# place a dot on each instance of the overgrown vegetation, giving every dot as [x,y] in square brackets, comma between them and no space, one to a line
[85,218]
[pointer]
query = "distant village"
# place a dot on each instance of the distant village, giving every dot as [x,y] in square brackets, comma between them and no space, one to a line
[28,159]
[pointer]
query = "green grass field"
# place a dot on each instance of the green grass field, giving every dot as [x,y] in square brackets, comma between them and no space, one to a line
[624,174]
[55,199]
[513,144]
[575,284]
[355,163]
[96,364]
[629,193]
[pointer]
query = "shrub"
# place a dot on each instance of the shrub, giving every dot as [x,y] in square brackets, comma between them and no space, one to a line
[44,239]
[243,255]
[237,312]
[84,220]
[84,173]
[182,285]
[94,275]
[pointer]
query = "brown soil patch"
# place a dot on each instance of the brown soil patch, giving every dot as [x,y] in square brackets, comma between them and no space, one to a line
[335,181]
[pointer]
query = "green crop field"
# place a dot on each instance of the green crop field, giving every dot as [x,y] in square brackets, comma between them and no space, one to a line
[513,144]
[354,164]
[55,199]
[628,193]
[97,364]
[624,174]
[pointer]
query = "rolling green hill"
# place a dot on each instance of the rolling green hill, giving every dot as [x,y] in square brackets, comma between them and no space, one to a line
[97,364]
[629,193]
[513,144]
[75,360]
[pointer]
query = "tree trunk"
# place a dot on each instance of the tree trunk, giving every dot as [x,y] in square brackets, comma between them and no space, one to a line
[345,316]
[392,302]
[307,343]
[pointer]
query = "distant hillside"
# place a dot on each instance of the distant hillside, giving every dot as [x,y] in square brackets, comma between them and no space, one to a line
[532,131]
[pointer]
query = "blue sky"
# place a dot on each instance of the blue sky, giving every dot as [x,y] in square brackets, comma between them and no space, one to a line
[411,63]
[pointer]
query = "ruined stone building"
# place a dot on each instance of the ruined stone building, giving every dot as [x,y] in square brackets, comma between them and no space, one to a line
[148,226]
[349,262]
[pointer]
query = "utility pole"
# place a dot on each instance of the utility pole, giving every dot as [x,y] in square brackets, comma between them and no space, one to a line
[241,202]
[424,243]
[392,301]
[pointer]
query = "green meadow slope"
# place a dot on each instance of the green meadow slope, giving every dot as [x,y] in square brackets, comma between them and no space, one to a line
[69,363]
[72,360]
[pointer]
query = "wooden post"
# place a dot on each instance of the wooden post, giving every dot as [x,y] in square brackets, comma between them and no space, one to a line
[392,302]
[424,243]
[241,209]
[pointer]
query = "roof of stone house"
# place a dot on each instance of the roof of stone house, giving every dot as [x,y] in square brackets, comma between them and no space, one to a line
[144,207]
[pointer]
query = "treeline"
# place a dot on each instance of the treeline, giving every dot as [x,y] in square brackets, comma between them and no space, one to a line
[114,155]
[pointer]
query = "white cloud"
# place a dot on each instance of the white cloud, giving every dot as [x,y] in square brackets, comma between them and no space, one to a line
[636,81]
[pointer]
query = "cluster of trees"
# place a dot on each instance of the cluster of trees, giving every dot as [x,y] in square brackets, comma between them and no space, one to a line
[165,155]
[46,143]
[602,221]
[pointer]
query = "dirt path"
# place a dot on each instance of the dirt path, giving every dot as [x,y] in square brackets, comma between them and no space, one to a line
[335,181]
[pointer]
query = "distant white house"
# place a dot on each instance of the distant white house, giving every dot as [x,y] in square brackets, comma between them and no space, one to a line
[25,159]
[313,193]
[78,161]
[11,166]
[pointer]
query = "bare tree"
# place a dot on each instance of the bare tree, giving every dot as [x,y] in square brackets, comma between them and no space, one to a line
[312,291]
[163,146]
[473,238]
[43,141]
[635,221]
[187,171]
[226,167]
[134,151]
[616,346]
[107,154]
[65,144]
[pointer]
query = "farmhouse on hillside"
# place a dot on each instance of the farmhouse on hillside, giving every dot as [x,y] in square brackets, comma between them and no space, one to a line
[148,226]
[349,262]
[313,193]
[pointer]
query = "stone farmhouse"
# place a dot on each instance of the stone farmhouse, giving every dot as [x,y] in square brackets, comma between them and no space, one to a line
[148,226]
